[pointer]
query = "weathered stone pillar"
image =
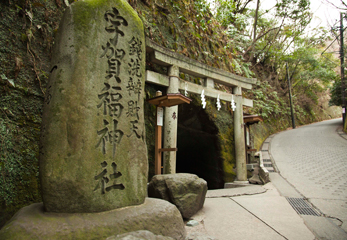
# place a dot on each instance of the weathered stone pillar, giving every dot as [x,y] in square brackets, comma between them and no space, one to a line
[239,136]
[209,83]
[170,124]
[93,155]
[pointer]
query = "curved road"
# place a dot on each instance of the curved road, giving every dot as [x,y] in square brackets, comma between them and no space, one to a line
[313,159]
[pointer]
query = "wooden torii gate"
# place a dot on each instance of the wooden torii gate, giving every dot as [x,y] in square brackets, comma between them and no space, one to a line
[177,63]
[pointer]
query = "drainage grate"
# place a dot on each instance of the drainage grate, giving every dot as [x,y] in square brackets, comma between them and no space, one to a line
[266,160]
[268,165]
[271,170]
[302,207]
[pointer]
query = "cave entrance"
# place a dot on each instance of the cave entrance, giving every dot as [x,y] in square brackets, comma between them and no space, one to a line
[198,146]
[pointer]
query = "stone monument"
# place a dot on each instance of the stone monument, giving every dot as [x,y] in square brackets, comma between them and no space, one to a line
[93,155]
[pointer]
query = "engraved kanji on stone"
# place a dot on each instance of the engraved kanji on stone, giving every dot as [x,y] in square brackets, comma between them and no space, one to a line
[115,175]
[133,109]
[114,64]
[113,136]
[103,179]
[135,68]
[115,109]
[135,88]
[138,87]
[115,20]
[109,51]
[135,47]
[103,133]
[130,86]
[134,129]
[109,99]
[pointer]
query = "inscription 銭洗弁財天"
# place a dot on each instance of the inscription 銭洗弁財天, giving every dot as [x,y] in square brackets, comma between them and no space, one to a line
[135,51]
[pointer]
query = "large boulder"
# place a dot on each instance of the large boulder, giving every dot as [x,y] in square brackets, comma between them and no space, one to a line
[139,235]
[186,191]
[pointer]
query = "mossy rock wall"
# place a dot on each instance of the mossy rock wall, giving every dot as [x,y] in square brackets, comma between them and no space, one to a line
[26,39]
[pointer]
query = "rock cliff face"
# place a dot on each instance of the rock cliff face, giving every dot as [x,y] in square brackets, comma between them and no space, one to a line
[26,39]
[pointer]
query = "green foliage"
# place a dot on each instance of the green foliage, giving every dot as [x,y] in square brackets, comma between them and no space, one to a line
[226,12]
[310,73]
[296,10]
[336,93]
[267,102]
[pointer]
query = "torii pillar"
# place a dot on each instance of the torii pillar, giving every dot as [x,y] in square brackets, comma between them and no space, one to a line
[170,123]
[239,137]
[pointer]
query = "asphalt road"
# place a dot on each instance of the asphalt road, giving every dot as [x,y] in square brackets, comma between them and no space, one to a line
[313,160]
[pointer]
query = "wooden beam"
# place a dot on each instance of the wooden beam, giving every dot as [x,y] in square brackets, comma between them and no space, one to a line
[169,100]
[251,150]
[168,149]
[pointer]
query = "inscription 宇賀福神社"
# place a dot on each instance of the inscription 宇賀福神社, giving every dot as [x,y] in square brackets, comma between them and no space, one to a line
[110,97]
[112,103]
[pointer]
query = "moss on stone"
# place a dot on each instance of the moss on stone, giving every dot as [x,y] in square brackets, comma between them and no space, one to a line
[228,154]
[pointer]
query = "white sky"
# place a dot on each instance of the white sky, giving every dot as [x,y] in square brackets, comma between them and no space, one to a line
[324,13]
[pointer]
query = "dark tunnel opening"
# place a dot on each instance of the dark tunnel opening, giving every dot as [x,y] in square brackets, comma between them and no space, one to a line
[199,150]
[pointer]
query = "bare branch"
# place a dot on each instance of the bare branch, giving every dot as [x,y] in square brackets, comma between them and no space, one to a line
[262,35]
[255,40]
[342,1]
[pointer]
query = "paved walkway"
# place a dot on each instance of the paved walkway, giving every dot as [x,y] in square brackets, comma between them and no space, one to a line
[248,213]
[313,160]
[309,166]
